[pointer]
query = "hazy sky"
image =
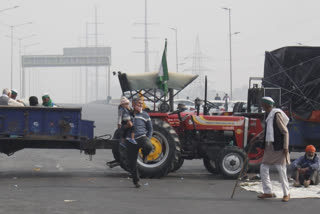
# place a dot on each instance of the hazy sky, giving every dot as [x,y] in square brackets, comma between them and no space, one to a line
[263,25]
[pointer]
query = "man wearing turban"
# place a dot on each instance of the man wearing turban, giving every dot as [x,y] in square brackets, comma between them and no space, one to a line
[276,144]
[305,168]
[47,102]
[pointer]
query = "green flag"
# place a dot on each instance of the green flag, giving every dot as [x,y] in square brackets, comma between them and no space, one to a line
[163,76]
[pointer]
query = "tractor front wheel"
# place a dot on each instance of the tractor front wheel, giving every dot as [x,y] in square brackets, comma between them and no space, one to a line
[210,165]
[231,161]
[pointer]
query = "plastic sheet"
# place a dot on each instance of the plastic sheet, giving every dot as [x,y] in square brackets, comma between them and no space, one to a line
[296,70]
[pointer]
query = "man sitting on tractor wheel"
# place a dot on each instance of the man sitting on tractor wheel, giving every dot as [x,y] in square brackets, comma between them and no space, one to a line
[142,132]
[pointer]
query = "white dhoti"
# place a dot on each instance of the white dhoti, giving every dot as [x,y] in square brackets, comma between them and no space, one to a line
[265,178]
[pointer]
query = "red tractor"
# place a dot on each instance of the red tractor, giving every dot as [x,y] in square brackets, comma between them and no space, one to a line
[219,140]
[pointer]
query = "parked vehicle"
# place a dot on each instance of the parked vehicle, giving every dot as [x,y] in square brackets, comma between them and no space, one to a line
[291,78]
[218,140]
[218,107]
[188,103]
[50,128]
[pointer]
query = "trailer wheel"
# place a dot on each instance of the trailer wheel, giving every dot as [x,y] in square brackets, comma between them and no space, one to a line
[231,161]
[210,165]
[165,154]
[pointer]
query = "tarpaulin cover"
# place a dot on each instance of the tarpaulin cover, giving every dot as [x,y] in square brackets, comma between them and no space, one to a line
[296,70]
[139,81]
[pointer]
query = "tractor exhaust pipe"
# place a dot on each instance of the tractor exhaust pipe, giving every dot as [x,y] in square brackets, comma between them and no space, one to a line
[205,108]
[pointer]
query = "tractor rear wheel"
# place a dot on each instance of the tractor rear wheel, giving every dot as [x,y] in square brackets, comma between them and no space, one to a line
[210,165]
[165,154]
[123,152]
[115,146]
[231,161]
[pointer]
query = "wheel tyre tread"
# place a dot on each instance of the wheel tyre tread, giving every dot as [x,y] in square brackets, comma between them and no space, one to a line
[227,150]
[173,157]
[209,167]
[115,146]
[123,151]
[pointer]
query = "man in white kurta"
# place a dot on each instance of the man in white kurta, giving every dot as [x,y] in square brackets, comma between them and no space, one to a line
[276,149]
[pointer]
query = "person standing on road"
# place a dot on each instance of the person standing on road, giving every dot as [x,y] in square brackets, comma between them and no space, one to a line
[226,100]
[217,97]
[142,132]
[276,144]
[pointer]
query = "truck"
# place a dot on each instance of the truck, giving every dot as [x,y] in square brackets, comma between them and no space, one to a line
[292,78]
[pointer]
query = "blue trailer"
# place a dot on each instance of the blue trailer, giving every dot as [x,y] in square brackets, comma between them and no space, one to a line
[42,127]
[303,133]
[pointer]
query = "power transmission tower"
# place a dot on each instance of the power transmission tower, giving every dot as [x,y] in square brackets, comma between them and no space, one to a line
[96,44]
[146,38]
[196,89]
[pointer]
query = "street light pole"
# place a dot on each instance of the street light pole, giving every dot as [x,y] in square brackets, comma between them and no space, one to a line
[177,66]
[177,62]
[20,61]
[29,76]
[11,82]
[230,50]
[11,28]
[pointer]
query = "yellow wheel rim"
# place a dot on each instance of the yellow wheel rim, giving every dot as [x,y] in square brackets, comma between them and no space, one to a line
[156,150]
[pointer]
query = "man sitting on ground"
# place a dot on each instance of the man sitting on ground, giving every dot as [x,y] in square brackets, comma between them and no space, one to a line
[305,168]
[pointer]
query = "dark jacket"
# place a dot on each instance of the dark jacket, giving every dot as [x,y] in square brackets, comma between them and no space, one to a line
[304,162]
[142,125]
[278,136]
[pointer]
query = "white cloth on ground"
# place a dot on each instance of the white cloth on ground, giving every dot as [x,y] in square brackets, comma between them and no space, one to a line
[313,191]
